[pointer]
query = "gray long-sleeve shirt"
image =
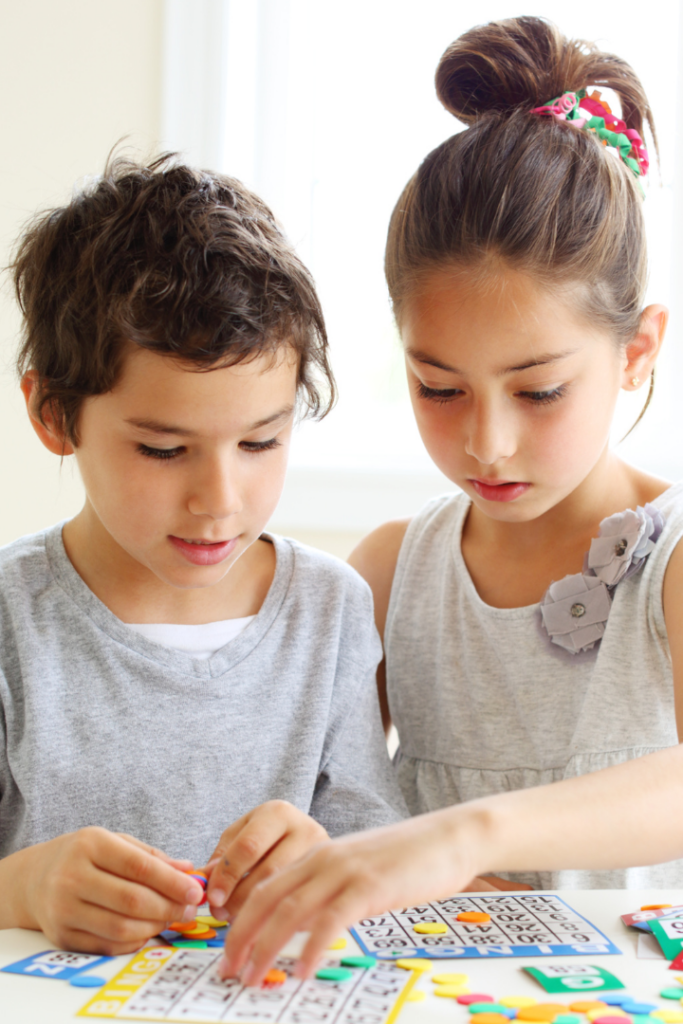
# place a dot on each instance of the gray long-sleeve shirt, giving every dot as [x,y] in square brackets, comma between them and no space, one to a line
[101,726]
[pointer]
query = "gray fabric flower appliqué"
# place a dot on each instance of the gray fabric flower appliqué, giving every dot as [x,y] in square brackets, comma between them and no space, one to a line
[575,609]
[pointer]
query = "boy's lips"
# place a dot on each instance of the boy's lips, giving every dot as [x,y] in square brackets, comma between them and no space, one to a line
[499,490]
[203,552]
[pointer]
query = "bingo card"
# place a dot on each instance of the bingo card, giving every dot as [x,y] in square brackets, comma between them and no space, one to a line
[183,985]
[533,925]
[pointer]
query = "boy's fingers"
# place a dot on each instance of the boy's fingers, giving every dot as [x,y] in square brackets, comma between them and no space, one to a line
[241,854]
[128,861]
[286,852]
[182,864]
[132,900]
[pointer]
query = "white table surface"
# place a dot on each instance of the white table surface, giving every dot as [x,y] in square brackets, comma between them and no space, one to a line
[28,1000]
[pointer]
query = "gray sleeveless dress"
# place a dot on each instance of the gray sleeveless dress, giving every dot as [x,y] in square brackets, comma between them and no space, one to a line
[484,703]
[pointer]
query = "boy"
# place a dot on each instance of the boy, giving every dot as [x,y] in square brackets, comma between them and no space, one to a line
[164,665]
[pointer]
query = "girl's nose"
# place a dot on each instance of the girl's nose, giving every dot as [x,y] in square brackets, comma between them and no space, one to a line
[490,437]
[216,494]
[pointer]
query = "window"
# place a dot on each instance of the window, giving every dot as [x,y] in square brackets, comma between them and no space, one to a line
[326,110]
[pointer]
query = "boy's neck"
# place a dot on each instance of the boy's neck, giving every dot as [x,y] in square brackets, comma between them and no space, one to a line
[135,594]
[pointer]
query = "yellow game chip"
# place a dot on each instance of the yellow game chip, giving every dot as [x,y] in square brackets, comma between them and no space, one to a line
[211,922]
[450,979]
[452,991]
[668,1016]
[415,963]
[416,996]
[338,944]
[517,1002]
[430,928]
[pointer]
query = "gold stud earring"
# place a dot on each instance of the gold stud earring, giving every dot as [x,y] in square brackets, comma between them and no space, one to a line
[635,381]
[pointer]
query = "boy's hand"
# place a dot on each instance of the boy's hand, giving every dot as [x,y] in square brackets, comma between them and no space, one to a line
[255,847]
[99,892]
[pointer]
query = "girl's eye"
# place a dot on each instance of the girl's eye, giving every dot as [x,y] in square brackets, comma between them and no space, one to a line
[544,397]
[260,446]
[160,453]
[440,395]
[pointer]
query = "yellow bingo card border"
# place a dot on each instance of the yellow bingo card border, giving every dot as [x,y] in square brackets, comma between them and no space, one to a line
[183,985]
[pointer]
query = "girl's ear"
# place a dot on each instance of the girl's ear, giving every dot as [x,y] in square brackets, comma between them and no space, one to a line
[640,355]
[48,429]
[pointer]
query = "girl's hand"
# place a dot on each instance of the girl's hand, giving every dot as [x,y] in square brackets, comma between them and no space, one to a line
[97,892]
[345,880]
[253,848]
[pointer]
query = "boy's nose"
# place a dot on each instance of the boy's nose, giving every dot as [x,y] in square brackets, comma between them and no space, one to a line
[217,496]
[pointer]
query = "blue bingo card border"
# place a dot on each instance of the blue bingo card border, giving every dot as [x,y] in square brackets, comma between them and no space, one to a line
[538,924]
[56,964]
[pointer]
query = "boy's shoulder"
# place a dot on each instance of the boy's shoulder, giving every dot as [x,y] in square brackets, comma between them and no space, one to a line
[24,562]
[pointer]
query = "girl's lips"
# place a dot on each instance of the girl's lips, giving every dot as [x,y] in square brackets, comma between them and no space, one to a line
[505,490]
[204,554]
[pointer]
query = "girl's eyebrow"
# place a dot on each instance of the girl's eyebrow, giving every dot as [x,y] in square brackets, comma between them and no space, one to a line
[551,357]
[156,427]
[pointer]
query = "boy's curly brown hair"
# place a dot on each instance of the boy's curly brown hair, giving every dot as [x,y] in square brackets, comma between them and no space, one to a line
[182,262]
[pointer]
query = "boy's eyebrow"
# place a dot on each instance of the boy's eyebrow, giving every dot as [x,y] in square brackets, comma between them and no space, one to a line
[156,427]
[551,357]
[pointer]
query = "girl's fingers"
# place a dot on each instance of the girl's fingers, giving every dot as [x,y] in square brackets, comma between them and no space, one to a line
[181,864]
[276,910]
[284,853]
[131,899]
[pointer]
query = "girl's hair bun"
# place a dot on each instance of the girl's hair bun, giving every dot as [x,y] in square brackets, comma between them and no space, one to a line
[524,63]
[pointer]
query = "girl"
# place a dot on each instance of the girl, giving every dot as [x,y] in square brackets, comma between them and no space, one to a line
[532,623]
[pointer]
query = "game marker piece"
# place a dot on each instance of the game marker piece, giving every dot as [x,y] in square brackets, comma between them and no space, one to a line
[210,921]
[473,917]
[189,944]
[338,944]
[610,1018]
[416,996]
[334,974]
[586,1005]
[672,992]
[87,981]
[472,998]
[656,906]
[617,999]
[450,979]
[417,963]
[430,928]
[611,1011]
[182,926]
[479,1008]
[541,1012]
[215,943]
[668,1016]
[568,1018]
[366,962]
[517,1002]
[274,978]
[482,1018]
[452,991]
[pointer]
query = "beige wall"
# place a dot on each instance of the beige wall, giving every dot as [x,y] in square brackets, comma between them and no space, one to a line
[75,76]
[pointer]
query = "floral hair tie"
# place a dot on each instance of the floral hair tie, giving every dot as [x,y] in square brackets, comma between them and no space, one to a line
[594,115]
[575,609]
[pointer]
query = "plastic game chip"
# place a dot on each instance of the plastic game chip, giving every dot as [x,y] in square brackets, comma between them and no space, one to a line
[334,974]
[541,1011]
[450,979]
[613,1012]
[210,921]
[478,1008]
[672,992]
[585,1005]
[274,977]
[568,1018]
[472,998]
[189,944]
[416,963]
[473,917]
[517,1002]
[668,1016]
[610,1018]
[366,962]
[88,981]
[482,1018]
[656,906]
[430,928]
[182,926]
[200,933]
[416,996]
[453,991]
[338,944]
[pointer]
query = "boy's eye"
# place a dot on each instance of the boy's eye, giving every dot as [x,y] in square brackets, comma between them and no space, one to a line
[260,446]
[159,453]
[544,397]
[437,394]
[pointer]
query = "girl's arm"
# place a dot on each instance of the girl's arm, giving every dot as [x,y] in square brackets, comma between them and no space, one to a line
[594,821]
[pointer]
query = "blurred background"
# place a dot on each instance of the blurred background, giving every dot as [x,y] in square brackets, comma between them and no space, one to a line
[325,109]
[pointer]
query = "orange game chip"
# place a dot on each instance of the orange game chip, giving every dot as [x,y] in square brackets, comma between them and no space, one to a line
[541,1011]
[473,917]
[182,926]
[655,906]
[584,1005]
[275,977]
[491,1018]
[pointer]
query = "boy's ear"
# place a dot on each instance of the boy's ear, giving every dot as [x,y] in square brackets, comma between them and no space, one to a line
[48,429]
[641,353]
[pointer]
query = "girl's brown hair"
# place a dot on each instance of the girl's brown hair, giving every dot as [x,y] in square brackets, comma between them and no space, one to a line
[538,194]
[186,263]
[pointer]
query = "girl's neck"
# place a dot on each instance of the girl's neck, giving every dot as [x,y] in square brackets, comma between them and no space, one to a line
[512,564]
